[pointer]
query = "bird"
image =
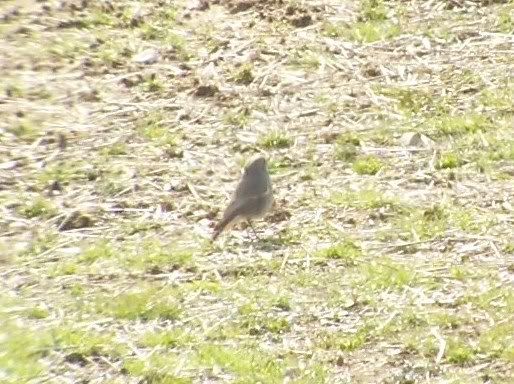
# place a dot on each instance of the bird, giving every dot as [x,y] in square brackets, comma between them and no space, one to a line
[252,199]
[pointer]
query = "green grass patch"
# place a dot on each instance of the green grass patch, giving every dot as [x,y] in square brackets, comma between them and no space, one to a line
[155,128]
[385,274]
[502,150]
[410,101]
[346,341]
[498,341]
[449,160]
[506,20]
[346,147]
[100,250]
[118,149]
[333,29]
[39,207]
[97,18]
[247,364]
[65,48]
[305,58]
[283,303]
[143,304]
[346,251]
[459,352]
[152,255]
[14,89]
[361,32]
[498,301]
[461,124]
[446,320]
[371,31]
[275,139]
[256,320]
[423,224]
[83,343]
[166,338]
[461,273]
[237,118]
[373,10]
[369,199]
[25,129]
[367,165]
[37,313]
[244,74]
[21,349]
[500,99]
[66,172]
[159,367]
[153,83]
[41,243]
[112,53]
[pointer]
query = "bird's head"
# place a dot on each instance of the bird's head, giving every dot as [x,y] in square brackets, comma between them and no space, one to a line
[256,164]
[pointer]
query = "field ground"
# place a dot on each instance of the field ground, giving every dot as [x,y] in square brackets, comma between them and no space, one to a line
[389,128]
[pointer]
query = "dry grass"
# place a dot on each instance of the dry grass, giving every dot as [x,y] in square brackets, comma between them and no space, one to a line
[123,126]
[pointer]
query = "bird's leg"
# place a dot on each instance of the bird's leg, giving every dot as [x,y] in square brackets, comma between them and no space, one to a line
[253,229]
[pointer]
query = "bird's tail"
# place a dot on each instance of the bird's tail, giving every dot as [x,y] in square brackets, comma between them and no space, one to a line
[228,219]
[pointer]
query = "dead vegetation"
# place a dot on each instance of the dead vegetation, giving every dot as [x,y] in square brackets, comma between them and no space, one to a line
[389,127]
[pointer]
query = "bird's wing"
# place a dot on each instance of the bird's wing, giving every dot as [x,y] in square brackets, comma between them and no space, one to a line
[252,186]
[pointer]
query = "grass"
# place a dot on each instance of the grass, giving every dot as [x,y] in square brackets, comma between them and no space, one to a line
[459,352]
[424,223]
[84,343]
[373,24]
[385,274]
[346,251]
[149,256]
[367,165]
[152,84]
[373,10]
[153,126]
[112,54]
[458,125]
[449,160]
[305,58]
[65,48]
[371,31]
[275,139]
[13,89]
[248,364]
[168,339]
[244,74]
[25,130]
[65,173]
[373,252]
[369,199]
[22,350]
[506,21]
[362,32]
[346,147]
[144,305]
[40,207]
[410,101]
[238,119]
[118,149]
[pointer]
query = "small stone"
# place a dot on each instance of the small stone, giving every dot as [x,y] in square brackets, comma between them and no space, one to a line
[416,139]
[148,56]
[76,220]
[206,91]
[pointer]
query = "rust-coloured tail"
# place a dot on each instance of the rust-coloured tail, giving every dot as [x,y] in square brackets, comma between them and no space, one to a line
[228,219]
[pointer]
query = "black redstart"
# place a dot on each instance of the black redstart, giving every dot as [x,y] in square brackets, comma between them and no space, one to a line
[252,199]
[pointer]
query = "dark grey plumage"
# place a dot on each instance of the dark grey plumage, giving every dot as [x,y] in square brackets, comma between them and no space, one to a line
[252,199]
